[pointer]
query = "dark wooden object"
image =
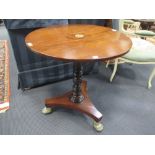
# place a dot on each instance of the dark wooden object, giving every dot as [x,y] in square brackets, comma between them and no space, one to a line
[78,43]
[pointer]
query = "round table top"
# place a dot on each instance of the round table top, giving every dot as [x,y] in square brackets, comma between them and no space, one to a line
[78,42]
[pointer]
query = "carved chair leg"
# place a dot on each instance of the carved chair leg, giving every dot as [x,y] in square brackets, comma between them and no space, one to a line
[114,70]
[107,64]
[150,79]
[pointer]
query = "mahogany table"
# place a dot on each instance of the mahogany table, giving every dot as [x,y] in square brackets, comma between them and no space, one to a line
[78,43]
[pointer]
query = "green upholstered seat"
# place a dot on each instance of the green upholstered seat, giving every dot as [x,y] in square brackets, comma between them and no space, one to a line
[145,33]
[142,51]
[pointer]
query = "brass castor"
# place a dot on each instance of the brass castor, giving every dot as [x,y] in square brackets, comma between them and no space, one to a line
[46,110]
[3,111]
[98,126]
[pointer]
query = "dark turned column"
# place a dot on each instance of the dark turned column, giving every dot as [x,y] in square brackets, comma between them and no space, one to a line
[77,96]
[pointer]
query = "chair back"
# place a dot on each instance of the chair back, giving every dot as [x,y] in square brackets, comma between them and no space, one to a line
[128,26]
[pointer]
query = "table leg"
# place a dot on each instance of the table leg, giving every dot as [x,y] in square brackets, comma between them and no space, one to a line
[77,96]
[77,99]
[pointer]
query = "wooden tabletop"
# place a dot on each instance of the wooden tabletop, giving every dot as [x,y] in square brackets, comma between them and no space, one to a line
[78,42]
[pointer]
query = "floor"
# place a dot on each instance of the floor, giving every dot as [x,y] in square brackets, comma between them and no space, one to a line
[128,107]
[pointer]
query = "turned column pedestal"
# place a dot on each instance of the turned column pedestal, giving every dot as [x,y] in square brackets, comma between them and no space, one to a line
[77,99]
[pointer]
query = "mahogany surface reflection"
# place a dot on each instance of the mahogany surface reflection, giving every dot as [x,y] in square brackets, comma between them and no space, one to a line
[78,42]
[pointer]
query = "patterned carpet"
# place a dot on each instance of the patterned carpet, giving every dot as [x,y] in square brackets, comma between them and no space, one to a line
[4,77]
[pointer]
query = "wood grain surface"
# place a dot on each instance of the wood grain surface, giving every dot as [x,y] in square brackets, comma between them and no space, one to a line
[78,42]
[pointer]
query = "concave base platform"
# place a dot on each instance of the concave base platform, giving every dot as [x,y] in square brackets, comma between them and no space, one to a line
[85,106]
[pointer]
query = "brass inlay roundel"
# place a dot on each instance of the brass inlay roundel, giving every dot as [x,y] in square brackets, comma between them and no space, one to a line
[79,35]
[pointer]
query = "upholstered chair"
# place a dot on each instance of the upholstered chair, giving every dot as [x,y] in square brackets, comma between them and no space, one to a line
[142,52]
